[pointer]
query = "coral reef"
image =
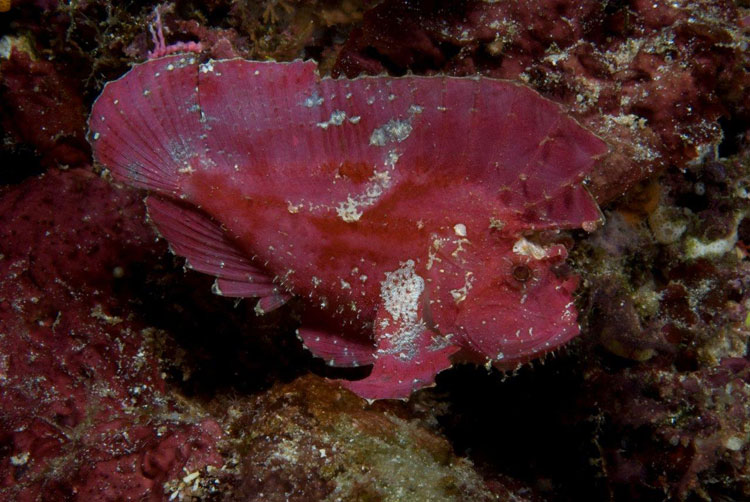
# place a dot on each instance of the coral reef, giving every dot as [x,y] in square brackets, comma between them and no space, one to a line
[678,435]
[667,271]
[42,107]
[310,440]
[121,379]
[667,315]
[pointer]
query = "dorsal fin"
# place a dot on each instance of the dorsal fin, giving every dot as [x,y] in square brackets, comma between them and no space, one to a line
[171,117]
[140,145]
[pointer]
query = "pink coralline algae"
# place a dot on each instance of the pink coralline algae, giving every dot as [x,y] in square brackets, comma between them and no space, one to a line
[42,108]
[84,410]
[417,217]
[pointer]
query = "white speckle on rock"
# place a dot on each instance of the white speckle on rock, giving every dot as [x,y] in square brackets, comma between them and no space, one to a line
[698,248]
[20,459]
[734,443]
[667,224]
[460,229]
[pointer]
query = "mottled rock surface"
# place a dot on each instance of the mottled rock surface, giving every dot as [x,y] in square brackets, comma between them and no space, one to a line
[84,410]
[311,440]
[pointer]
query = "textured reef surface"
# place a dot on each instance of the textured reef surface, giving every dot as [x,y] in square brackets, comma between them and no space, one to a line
[123,378]
[84,410]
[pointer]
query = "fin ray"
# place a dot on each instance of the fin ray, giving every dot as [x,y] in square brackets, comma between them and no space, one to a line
[336,350]
[208,249]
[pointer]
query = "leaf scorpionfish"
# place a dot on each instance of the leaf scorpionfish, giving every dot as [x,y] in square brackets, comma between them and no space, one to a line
[404,211]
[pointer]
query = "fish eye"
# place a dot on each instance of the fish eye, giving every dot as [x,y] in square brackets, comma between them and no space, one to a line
[521,272]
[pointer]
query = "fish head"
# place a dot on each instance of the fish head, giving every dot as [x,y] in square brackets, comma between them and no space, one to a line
[505,301]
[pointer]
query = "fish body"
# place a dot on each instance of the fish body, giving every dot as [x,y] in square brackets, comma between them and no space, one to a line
[401,209]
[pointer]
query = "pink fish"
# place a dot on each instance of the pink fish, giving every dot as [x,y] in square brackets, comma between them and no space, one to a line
[405,211]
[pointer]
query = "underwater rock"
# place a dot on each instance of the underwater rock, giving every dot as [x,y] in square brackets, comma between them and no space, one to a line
[43,109]
[310,440]
[674,282]
[675,435]
[84,411]
[667,332]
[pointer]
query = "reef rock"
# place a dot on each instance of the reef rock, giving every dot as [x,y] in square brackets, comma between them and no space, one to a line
[84,411]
